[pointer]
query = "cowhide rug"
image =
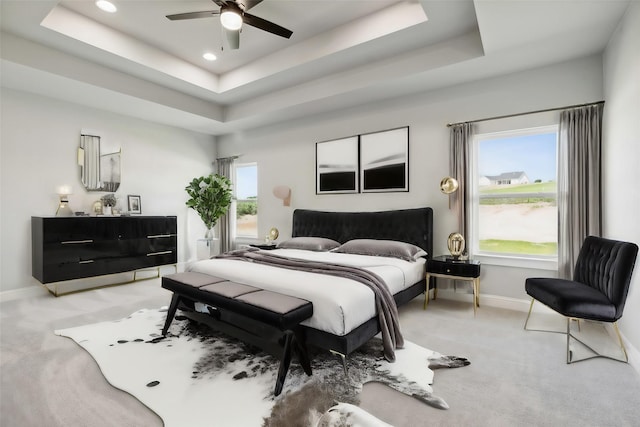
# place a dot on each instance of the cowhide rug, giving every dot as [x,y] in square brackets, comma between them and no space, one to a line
[198,377]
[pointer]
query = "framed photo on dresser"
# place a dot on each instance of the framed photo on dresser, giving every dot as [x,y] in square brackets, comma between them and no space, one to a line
[134,205]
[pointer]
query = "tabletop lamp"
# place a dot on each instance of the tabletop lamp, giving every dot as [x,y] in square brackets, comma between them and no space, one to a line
[63,207]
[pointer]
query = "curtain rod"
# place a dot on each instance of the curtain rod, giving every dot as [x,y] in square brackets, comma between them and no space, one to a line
[523,114]
[228,158]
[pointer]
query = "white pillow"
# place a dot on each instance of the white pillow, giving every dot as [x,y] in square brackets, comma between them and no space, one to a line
[388,248]
[317,244]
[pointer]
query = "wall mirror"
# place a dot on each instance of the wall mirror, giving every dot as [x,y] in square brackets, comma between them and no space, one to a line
[99,164]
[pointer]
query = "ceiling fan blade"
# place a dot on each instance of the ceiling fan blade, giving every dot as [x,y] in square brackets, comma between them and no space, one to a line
[244,4]
[233,37]
[265,25]
[248,4]
[193,15]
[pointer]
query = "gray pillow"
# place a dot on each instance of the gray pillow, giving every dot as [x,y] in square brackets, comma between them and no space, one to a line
[388,248]
[318,244]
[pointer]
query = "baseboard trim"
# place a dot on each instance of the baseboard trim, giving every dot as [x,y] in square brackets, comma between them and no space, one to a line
[23,293]
[521,305]
[89,283]
[495,301]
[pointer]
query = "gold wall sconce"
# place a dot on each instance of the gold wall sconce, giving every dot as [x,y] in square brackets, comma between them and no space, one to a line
[283,193]
[448,186]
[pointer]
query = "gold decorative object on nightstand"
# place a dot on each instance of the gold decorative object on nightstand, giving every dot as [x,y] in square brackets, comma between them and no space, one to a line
[455,244]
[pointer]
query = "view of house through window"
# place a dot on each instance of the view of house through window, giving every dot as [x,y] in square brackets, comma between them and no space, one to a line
[515,209]
[246,189]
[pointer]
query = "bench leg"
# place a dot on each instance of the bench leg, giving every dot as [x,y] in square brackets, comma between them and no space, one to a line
[285,362]
[173,307]
[301,352]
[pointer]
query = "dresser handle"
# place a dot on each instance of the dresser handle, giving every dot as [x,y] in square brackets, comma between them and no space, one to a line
[89,261]
[73,242]
[157,236]
[160,253]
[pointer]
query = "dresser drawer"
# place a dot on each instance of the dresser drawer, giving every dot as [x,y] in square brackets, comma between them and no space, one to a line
[454,268]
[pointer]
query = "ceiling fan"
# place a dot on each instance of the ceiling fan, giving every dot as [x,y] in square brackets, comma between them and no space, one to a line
[233,13]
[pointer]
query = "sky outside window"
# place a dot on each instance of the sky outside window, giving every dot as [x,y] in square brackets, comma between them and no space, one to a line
[534,155]
[247,182]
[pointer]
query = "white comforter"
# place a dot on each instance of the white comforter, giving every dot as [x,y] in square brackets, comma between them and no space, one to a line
[339,305]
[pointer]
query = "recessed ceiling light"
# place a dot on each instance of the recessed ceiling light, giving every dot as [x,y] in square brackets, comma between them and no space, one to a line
[106,6]
[209,56]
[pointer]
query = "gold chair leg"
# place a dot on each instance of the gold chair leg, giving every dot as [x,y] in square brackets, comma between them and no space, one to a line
[568,338]
[624,350]
[426,292]
[529,314]
[596,354]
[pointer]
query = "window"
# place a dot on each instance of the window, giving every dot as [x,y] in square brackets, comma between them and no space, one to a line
[514,195]
[246,193]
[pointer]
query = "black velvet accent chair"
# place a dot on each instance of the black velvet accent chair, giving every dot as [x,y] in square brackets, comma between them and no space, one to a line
[597,292]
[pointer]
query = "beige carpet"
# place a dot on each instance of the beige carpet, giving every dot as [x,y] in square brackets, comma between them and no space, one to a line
[516,378]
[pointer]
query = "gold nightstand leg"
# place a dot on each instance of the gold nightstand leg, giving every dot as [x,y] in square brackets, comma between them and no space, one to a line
[475,297]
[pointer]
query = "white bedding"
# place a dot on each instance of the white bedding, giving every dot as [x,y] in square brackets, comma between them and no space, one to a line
[339,305]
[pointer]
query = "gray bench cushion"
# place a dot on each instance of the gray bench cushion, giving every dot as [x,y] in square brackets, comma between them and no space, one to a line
[279,310]
[229,289]
[197,280]
[272,301]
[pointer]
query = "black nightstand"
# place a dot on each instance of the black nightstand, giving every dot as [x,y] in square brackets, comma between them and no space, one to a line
[446,267]
[266,247]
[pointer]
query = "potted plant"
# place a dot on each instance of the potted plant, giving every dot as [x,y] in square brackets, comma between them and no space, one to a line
[210,196]
[108,201]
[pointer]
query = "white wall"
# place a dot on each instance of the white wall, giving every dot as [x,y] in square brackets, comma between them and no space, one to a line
[40,137]
[621,152]
[285,153]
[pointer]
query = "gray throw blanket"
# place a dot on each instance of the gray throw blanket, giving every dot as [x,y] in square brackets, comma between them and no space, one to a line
[385,304]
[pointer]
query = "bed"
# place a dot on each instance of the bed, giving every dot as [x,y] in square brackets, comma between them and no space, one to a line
[344,313]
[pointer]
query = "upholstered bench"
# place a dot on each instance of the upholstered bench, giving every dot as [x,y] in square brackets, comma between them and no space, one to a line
[264,308]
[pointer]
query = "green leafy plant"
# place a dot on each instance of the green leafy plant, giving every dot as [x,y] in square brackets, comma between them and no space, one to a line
[109,200]
[246,207]
[210,196]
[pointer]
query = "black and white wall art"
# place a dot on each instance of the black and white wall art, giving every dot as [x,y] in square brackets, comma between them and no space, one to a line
[384,161]
[337,166]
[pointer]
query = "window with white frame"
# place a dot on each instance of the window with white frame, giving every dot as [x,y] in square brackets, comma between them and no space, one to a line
[514,210]
[246,194]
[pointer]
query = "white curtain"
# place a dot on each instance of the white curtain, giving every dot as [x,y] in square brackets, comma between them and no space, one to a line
[225,168]
[460,140]
[579,182]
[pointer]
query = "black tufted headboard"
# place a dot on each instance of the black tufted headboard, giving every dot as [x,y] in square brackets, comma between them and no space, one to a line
[407,225]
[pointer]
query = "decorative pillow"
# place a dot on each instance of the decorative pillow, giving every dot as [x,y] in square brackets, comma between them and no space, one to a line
[388,248]
[318,244]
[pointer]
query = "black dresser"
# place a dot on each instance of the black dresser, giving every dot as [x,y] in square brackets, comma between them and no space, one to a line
[77,247]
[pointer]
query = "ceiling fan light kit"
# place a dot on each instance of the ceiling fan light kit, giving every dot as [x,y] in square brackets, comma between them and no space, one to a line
[230,18]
